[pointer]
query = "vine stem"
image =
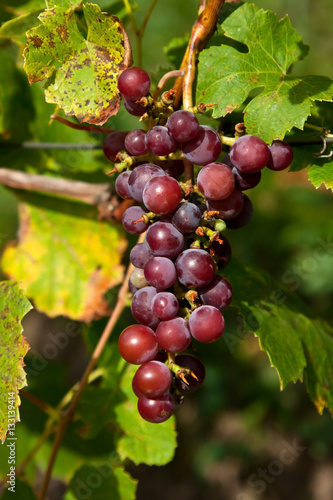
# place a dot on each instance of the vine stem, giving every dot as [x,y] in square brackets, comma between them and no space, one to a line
[69,413]
[78,126]
[202,31]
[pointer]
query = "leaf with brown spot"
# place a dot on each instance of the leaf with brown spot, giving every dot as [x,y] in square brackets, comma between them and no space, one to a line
[79,70]
[65,258]
[13,348]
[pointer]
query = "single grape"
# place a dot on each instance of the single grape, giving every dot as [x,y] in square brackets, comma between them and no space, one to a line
[159,141]
[165,305]
[195,268]
[244,216]
[221,252]
[216,181]
[141,306]
[246,181]
[156,410]
[206,324]
[135,389]
[281,156]
[134,83]
[195,365]
[121,185]
[187,217]
[135,142]
[113,143]
[131,216]
[164,240]
[217,293]
[137,278]
[183,125]
[173,335]
[204,148]
[162,194]
[137,344]
[134,108]
[153,379]
[249,154]
[139,178]
[140,255]
[229,207]
[160,273]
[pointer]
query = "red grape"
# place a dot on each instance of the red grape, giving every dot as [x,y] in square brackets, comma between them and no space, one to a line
[217,293]
[249,154]
[135,142]
[121,185]
[152,379]
[113,143]
[165,305]
[156,410]
[137,344]
[139,178]
[134,83]
[141,306]
[187,217]
[159,141]
[162,194]
[216,181]
[160,273]
[206,324]
[164,240]
[195,268]
[204,148]
[243,217]
[134,108]
[173,335]
[131,216]
[229,207]
[140,255]
[183,125]
[281,155]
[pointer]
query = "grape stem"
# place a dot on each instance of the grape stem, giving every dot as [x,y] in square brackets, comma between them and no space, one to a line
[78,126]
[164,79]
[202,30]
[69,413]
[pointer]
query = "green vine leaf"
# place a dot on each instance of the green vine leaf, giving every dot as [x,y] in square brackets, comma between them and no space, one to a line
[66,260]
[227,77]
[13,347]
[101,482]
[298,346]
[321,172]
[81,73]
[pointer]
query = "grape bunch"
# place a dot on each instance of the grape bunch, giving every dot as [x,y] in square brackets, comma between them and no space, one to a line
[179,294]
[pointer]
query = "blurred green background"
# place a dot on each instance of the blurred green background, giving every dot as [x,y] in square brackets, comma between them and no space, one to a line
[234,432]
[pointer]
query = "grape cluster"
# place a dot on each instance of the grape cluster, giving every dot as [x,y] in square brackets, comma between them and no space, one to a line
[178,294]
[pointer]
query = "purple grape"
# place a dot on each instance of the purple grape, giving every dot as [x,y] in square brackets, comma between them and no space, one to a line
[162,194]
[216,181]
[244,216]
[156,410]
[121,185]
[135,142]
[131,216]
[229,207]
[165,305]
[139,178]
[195,268]
[113,144]
[134,83]
[183,125]
[140,255]
[141,306]
[205,148]
[152,379]
[217,293]
[187,217]
[249,154]
[159,141]
[137,344]
[173,335]
[281,156]
[164,240]
[206,324]
[134,108]
[160,273]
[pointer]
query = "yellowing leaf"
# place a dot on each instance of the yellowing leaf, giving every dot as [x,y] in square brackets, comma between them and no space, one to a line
[13,348]
[82,73]
[65,261]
